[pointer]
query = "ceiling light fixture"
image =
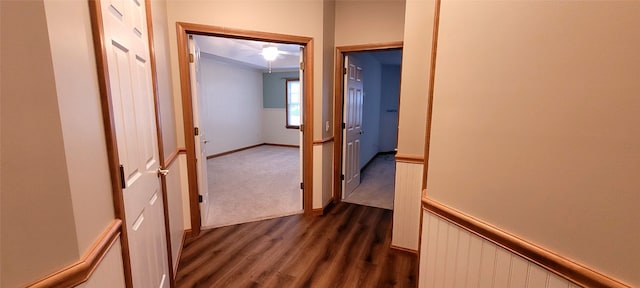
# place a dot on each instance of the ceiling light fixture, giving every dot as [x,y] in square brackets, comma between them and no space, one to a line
[270,53]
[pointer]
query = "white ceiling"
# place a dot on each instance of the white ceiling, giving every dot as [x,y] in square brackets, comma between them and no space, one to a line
[248,52]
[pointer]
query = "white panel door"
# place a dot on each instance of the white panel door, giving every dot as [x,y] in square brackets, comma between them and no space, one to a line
[301,134]
[127,48]
[199,116]
[352,118]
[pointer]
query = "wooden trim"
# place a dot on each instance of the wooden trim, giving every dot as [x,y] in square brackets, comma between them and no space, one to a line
[324,210]
[187,111]
[307,114]
[159,139]
[404,250]
[281,145]
[371,47]
[338,104]
[173,156]
[227,32]
[95,13]
[323,140]
[551,261]
[80,271]
[432,76]
[182,31]
[407,158]
[234,151]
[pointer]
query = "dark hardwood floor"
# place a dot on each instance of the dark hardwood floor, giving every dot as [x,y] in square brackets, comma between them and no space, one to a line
[348,247]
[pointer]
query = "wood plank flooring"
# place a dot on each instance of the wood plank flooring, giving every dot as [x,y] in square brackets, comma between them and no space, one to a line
[348,247]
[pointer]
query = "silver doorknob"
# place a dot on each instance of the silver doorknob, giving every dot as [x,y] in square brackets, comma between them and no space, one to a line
[162,172]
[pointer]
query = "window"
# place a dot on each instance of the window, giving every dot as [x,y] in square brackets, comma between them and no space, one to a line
[293,103]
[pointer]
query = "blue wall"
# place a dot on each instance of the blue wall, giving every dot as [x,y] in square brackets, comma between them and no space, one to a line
[389,107]
[273,88]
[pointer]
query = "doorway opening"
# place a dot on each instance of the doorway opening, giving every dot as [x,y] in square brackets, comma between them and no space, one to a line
[231,137]
[247,106]
[367,101]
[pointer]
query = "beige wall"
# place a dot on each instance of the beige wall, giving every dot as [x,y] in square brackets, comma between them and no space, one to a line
[416,63]
[418,29]
[163,69]
[535,125]
[56,193]
[38,229]
[70,37]
[369,21]
[328,50]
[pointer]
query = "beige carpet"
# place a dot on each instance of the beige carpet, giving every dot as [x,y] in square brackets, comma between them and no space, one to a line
[254,184]
[376,183]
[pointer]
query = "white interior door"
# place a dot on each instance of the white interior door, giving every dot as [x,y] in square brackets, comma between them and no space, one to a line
[301,137]
[127,47]
[199,116]
[352,117]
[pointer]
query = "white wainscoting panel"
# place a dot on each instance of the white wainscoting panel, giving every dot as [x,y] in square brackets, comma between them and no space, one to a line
[317,177]
[109,272]
[327,174]
[451,256]
[184,185]
[176,209]
[406,205]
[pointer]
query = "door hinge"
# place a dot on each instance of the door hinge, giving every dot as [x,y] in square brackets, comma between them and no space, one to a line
[344,125]
[196,131]
[344,70]
[199,198]
[123,183]
[301,65]
[191,58]
[301,185]
[301,127]
[342,177]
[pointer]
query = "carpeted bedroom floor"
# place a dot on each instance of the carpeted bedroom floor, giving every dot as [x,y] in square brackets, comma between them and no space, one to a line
[254,184]
[263,183]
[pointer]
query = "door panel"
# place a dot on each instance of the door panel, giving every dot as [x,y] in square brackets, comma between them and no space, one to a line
[200,113]
[133,113]
[301,134]
[353,100]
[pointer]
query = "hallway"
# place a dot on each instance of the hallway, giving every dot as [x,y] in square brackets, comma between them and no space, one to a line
[348,247]
[377,183]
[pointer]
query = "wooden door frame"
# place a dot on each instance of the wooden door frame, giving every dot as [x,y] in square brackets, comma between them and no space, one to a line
[182,31]
[113,159]
[338,100]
